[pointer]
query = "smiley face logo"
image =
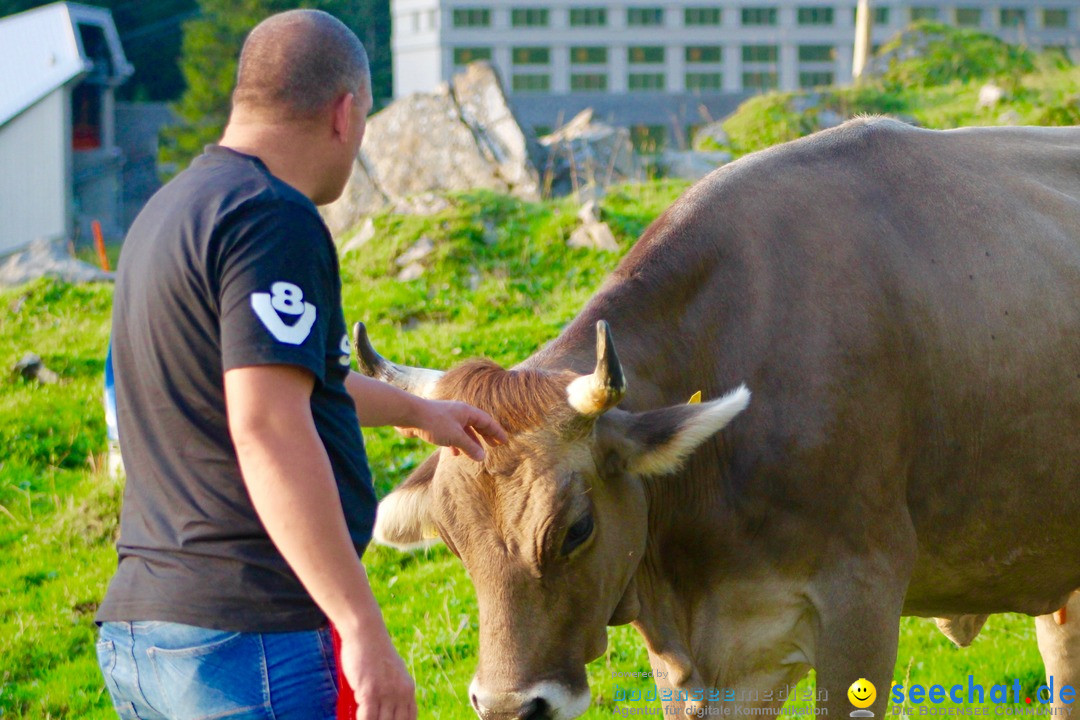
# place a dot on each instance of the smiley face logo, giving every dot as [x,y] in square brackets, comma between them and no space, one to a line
[862,693]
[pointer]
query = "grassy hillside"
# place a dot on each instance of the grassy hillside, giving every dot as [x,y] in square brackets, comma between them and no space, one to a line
[500,283]
[931,75]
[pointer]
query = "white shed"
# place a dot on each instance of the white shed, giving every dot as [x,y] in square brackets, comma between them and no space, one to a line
[60,168]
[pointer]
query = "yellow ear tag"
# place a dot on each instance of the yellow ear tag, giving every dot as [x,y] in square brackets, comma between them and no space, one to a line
[695,398]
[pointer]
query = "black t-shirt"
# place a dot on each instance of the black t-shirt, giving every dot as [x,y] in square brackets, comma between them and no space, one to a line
[225,267]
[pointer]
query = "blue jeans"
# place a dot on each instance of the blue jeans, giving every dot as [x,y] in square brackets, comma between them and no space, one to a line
[169,671]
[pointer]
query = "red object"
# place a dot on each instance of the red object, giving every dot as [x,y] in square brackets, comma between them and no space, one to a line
[346,702]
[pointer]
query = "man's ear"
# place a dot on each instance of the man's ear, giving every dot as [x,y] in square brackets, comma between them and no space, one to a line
[343,116]
[403,520]
[658,442]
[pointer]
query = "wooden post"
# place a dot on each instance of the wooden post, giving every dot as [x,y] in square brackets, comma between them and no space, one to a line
[863,23]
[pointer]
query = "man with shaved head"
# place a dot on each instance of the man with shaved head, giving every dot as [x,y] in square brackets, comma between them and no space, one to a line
[249,500]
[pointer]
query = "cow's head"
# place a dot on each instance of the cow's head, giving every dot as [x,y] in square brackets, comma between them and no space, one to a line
[552,525]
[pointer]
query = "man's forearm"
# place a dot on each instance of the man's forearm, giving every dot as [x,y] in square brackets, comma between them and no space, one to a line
[378,403]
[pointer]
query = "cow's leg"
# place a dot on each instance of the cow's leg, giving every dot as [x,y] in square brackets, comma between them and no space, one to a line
[1059,645]
[859,628]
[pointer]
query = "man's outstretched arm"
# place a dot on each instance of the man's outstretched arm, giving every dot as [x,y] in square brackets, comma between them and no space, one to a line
[451,424]
[288,476]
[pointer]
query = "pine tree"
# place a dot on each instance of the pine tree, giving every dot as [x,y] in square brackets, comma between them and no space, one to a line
[211,47]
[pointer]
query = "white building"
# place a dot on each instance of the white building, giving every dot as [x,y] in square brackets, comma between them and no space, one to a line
[646,62]
[60,165]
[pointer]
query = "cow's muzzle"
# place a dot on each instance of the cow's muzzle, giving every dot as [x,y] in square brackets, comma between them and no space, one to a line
[543,701]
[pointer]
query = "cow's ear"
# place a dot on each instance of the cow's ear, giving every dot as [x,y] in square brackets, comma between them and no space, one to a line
[404,516]
[659,441]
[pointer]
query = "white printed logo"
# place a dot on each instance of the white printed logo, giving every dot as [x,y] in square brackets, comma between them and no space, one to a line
[345,350]
[284,298]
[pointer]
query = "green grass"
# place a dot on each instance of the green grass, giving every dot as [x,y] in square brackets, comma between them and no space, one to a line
[502,299]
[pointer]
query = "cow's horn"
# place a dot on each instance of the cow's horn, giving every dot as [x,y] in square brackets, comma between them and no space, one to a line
[593,395]
[418,381]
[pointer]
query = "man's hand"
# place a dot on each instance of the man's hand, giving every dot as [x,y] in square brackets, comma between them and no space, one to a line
[455,425]
[380,683]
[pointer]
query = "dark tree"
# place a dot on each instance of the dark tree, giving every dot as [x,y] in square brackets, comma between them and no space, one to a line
[212,43]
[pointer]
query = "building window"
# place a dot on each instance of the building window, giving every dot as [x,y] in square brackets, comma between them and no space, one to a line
[815,79]
[760,81]
[648,138]
[881,16]
[472,17]
[704,54]
[646,81]
[817,53]
[646,54]
[466,55]
[529,17]
[759,16]
[588,16]
[694,16]
[1056,18]
[815,16]
[708,82]
[1013,17]
[531,55]
[531,83]
[760,53]
[588,55]
[969,16]
[644,16]
[923,12]
[588,81]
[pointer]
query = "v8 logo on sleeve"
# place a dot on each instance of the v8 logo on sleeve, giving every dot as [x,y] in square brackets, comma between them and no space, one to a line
[284,298]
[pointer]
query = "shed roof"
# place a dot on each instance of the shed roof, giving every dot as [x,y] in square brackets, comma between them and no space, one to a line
[43,49]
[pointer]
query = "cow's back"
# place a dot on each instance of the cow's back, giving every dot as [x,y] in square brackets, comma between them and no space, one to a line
[905,306]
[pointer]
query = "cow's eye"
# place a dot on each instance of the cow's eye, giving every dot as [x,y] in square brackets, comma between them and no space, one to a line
[578,533]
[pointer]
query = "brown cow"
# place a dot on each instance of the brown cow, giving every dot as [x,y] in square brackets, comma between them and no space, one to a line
[905,306]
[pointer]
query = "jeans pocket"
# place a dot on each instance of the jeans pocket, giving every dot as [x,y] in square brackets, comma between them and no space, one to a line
[208,674]
[106,656]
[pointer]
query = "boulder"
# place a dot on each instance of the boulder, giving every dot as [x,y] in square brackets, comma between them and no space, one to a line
[587,153]
[460,137]
[595,235]
[484,109]
[48,257]
[420,250]
[31,367]
[711,136]
[362,237]
[690,164]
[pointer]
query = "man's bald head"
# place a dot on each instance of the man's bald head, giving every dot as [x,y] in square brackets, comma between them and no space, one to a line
[297,63]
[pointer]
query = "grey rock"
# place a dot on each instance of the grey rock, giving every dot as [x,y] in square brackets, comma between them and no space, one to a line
[597,236]
[484,109]
[690,164]
[709,136]
[362,237]
[419,250]
[586,152]
[31,367]
[411,272]
[460,137]
[589,212]
[48,257]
